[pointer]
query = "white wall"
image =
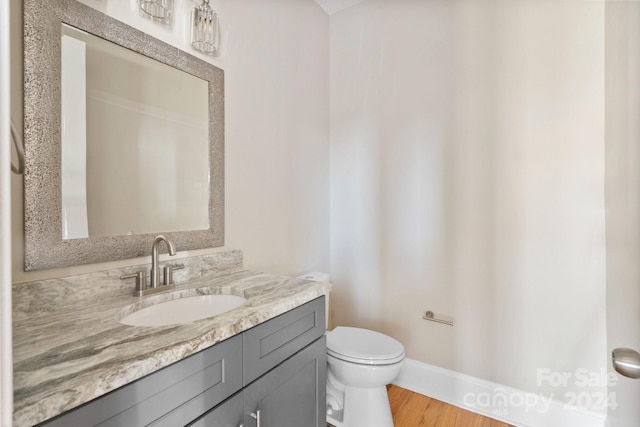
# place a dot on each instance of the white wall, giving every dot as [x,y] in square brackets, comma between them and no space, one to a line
[623,196]
[275,56]
[467,177]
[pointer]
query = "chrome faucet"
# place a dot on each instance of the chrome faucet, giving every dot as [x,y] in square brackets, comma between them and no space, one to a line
[154,286]
[155,269]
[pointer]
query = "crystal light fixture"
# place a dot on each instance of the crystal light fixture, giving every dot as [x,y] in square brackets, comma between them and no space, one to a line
[204,29]
[160,10]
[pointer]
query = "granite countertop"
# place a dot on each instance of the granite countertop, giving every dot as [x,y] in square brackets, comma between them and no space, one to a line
[69,347]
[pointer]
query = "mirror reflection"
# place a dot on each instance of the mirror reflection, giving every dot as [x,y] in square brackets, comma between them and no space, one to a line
[135,143]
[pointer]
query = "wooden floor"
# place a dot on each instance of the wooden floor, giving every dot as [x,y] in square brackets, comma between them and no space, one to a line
[411,409]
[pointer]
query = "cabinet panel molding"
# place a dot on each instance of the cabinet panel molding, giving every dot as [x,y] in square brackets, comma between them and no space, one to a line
[272,342]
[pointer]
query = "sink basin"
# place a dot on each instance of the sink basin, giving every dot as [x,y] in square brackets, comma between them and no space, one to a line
[183,310]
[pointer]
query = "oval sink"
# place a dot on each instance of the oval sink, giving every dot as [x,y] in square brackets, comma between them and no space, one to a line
[183,310]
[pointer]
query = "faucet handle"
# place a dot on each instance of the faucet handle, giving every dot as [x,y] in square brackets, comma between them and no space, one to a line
[168,273]
[141,280]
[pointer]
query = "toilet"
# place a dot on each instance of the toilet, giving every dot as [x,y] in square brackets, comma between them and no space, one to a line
[361,363]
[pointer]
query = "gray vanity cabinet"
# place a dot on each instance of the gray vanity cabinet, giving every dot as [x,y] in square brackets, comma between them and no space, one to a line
[285,370]
[291,395]
[273,375]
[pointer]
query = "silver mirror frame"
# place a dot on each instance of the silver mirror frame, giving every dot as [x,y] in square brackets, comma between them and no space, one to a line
[44,246]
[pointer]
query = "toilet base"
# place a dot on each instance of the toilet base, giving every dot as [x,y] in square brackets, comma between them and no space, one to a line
[335,418]
[363,407]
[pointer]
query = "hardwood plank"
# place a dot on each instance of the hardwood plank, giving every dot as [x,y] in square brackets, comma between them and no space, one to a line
[411,409]
[468,419]
[398,398]
[415,410]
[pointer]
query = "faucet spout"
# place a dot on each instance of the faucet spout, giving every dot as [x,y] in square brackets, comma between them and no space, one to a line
[155,269]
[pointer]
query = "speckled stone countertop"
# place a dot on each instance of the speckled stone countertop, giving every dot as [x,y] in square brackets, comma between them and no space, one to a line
[69,347]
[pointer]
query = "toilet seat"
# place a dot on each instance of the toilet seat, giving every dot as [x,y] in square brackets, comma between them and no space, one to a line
[363,346]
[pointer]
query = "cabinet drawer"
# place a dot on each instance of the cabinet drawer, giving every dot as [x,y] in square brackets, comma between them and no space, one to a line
[208,398]
[270,343]
[228,414]
[205,378]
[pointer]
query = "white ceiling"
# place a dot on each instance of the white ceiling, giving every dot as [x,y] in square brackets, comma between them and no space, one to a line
[333,6]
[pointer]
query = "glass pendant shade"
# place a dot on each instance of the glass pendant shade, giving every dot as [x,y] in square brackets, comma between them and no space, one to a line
[161,10]
[204,29]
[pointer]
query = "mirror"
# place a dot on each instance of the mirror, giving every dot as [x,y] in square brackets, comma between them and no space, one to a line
[124,139]
[125,112]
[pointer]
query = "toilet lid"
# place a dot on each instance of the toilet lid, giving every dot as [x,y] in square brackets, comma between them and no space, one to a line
[363,346]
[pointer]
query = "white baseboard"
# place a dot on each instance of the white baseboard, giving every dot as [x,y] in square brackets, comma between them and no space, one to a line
[516,407]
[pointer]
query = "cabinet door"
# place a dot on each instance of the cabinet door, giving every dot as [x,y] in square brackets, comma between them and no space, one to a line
[291,395]
[227,414]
